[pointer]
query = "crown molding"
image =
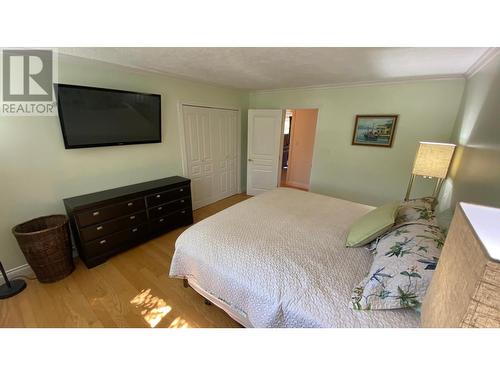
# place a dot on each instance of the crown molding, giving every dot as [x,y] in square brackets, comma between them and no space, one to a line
[143,70]
[386,82]
[482,61]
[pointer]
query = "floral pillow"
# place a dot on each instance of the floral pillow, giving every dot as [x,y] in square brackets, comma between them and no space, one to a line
[417,210]
[430,202]
[402,269]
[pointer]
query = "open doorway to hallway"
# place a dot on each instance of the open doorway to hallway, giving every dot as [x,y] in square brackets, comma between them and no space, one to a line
[299,131]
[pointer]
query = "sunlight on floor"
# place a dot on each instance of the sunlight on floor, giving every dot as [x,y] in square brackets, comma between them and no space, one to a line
[179,323]
[153,310]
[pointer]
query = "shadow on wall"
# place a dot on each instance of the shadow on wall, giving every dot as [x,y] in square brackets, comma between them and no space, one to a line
[475,171]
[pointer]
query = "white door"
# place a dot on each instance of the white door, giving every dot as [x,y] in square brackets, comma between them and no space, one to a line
[200,164]
[225,141]
[211,144]
[264,141]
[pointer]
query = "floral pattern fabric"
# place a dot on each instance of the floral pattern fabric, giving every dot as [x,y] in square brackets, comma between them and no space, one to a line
[417,210]
[402,269]
[430,202]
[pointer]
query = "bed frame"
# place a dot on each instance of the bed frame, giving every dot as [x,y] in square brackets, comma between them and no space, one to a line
[212,300]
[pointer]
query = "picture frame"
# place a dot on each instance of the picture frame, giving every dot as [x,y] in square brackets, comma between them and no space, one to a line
[374,130]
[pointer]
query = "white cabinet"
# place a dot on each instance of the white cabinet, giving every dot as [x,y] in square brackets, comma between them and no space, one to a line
[211,153]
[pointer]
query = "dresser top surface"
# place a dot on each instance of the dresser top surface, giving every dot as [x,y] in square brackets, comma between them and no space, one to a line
[82,201]
[484,221]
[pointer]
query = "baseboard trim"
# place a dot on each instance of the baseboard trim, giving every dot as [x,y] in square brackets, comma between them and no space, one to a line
[24,270]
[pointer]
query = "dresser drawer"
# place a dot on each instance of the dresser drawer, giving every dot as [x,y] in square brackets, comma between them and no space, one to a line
[168,195]
[102,214]
[168,208]
[174,220]
[109,243]
[103,229]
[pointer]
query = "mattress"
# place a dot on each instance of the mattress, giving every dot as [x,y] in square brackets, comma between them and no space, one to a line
[279,260]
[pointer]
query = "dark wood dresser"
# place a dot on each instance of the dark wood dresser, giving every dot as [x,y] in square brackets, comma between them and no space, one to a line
[110,221]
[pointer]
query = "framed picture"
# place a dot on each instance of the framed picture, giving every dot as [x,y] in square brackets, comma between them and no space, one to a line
[374,130]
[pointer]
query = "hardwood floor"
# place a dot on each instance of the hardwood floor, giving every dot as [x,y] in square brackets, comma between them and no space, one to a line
[131,289]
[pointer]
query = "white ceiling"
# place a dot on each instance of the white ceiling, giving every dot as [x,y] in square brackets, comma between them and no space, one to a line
[273,68]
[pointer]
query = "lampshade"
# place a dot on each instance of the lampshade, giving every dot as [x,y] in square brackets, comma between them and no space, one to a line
[465,288]
[433,159]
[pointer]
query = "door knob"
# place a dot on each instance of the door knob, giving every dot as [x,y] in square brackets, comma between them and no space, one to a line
[250,159]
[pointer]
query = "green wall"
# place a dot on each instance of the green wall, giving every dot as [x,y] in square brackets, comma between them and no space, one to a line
[372,175]
[475,171]
[36,172]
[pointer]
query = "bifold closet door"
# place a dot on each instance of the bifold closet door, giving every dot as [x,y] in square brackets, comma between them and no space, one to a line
[199,156]
[211,144]
[225,139]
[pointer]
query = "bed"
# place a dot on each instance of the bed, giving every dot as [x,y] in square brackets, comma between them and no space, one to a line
[279,260]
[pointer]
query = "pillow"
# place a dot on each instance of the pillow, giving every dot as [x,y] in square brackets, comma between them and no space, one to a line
[430,202]
[372,225]
[402,269]
[417,210]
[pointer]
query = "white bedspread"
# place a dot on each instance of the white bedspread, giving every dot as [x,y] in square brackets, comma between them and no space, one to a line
[279,259]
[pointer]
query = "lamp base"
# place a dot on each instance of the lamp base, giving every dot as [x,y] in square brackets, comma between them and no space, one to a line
[408,190]
[16,287]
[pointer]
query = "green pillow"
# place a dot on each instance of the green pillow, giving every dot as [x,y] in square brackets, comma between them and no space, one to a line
[372,225]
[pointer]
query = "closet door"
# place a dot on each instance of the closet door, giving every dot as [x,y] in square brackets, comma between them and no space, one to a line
[199,154]
[225,141]
[234,152]
[212,153]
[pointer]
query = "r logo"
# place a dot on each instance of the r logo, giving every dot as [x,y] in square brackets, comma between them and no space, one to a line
[27,75]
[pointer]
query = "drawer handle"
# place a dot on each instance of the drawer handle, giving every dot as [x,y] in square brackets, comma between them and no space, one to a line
[132,217]
[160,208]
[102,242]
[181,190]
[96,213]
[158,196]
[130,204]
[182,200]
[100,227]
[162,220]
[183,212]
[134,230]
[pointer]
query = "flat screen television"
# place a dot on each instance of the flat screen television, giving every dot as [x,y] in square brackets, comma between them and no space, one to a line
[94,117]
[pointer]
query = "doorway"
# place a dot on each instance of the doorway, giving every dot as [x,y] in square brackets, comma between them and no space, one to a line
[299,131]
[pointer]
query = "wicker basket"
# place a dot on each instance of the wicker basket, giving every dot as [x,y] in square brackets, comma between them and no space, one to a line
[46,245]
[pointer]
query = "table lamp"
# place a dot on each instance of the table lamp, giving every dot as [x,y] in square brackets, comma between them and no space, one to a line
[432,161]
